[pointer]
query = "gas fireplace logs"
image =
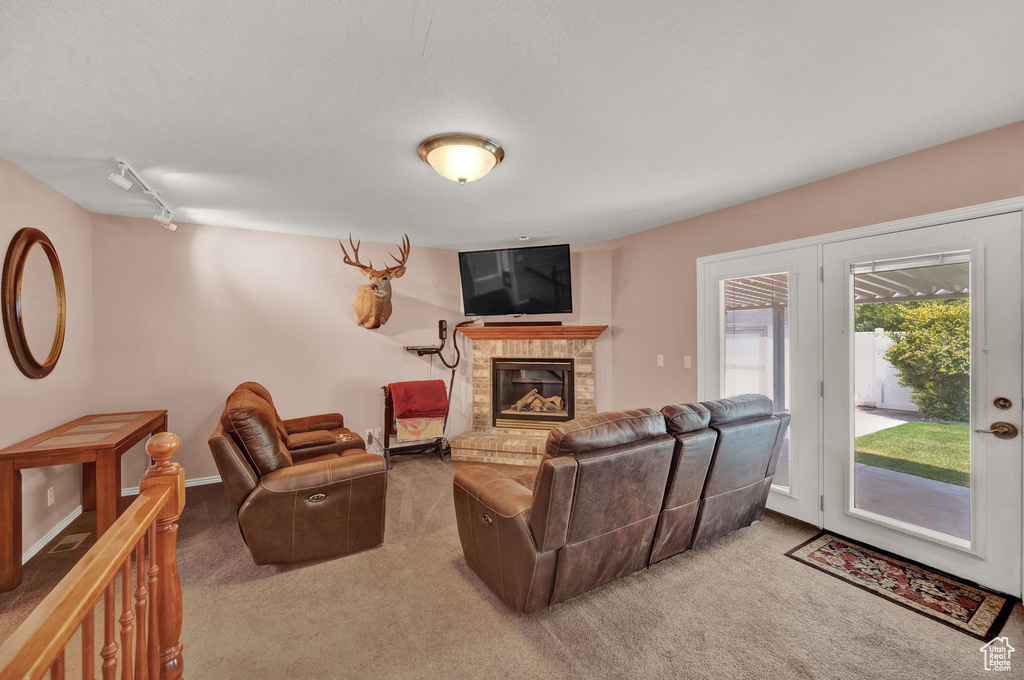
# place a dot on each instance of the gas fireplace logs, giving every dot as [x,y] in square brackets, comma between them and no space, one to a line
[533,401]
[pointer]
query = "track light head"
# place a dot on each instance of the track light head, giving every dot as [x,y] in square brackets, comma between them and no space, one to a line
[120,181]
[164,219]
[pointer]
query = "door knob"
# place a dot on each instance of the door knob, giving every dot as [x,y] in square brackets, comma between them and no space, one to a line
[1002,430]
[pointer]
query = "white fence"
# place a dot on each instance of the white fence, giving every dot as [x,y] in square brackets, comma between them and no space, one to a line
[876,381]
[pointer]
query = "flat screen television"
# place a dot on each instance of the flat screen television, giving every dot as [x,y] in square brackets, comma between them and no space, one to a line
[535,280]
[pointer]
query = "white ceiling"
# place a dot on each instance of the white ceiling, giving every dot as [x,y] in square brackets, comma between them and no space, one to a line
[615,116]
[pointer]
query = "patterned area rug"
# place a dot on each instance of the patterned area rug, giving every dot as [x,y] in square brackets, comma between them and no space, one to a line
[978,612]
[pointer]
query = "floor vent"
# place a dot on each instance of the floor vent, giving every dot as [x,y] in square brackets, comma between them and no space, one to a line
[69,542]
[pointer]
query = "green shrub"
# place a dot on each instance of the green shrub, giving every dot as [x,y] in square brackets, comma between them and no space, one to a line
[932,353]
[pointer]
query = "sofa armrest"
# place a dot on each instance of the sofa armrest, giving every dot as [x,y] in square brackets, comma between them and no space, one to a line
[324,421]
[323,473]
[306,440]
[497,491]
[492,512]
[552,502]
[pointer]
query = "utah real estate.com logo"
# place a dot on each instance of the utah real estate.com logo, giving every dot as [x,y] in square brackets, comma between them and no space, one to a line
[997,654]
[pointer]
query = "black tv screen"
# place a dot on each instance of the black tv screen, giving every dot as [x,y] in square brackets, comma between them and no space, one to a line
[516,281]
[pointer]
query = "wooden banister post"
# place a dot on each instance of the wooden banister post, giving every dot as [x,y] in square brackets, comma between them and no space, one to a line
[165,472]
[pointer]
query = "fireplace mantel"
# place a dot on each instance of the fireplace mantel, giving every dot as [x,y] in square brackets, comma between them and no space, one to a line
[532,332]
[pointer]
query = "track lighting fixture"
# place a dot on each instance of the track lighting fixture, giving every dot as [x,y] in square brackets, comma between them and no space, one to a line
[122,182]
[164,219]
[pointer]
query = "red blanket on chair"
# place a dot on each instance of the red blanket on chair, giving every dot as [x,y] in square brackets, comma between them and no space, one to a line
[419,398]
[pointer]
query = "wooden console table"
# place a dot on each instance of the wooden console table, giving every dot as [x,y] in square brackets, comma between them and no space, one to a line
[97,441]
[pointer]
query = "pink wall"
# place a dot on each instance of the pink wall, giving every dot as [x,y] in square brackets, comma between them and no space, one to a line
[654,298]
[28,407]
[183,317]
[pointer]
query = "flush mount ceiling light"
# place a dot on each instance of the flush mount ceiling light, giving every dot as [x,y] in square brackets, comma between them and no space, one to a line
[122,182]
[461,157]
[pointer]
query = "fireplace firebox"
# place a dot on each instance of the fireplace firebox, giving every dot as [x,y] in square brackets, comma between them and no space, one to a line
[531,393]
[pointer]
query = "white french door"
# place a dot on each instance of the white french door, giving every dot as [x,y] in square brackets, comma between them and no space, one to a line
[936,485]
[900,360]
[759,319]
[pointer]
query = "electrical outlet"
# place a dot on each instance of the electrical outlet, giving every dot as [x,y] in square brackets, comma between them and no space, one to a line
[378,434]
[49,497]
[687,363]
[369,436]
[661,359]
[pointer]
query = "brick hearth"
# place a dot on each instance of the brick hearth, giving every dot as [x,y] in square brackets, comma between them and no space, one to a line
[488,444]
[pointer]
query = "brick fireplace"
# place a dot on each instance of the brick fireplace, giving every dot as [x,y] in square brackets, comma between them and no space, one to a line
[554,362]
[537,393]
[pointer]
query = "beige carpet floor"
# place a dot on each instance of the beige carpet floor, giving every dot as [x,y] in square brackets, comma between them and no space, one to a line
[412,609]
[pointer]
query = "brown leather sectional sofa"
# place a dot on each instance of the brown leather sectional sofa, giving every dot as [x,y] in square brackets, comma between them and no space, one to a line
[304,488]
[616,492]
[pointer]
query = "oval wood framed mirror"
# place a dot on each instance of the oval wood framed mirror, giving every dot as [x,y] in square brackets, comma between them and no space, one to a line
[32,306]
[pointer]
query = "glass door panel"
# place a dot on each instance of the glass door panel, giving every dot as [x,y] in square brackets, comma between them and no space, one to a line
[922,346]
[759,317]
[912,391]
[756,345]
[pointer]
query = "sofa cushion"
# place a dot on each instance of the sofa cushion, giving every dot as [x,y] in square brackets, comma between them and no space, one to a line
[603,431]
[252,423]
[683,418]
[738,408]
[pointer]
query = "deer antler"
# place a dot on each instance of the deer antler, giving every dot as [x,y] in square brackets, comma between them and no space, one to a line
[404,250]
[355,254]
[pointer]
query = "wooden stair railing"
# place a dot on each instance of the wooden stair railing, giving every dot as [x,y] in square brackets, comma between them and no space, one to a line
[149,646]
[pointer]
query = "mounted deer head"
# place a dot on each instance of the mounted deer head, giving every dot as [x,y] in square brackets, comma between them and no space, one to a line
[372,303]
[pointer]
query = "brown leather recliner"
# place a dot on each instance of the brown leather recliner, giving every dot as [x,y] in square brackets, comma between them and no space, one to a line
[591,518]
[296,505]
[750,439]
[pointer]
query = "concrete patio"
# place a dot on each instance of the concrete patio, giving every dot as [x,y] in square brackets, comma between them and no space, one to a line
[923,502]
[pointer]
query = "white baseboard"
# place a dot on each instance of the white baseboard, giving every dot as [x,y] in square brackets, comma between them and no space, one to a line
[198,481]
[64,523]
[51,534]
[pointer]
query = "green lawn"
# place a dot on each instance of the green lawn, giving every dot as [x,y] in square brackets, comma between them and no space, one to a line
[939,451]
